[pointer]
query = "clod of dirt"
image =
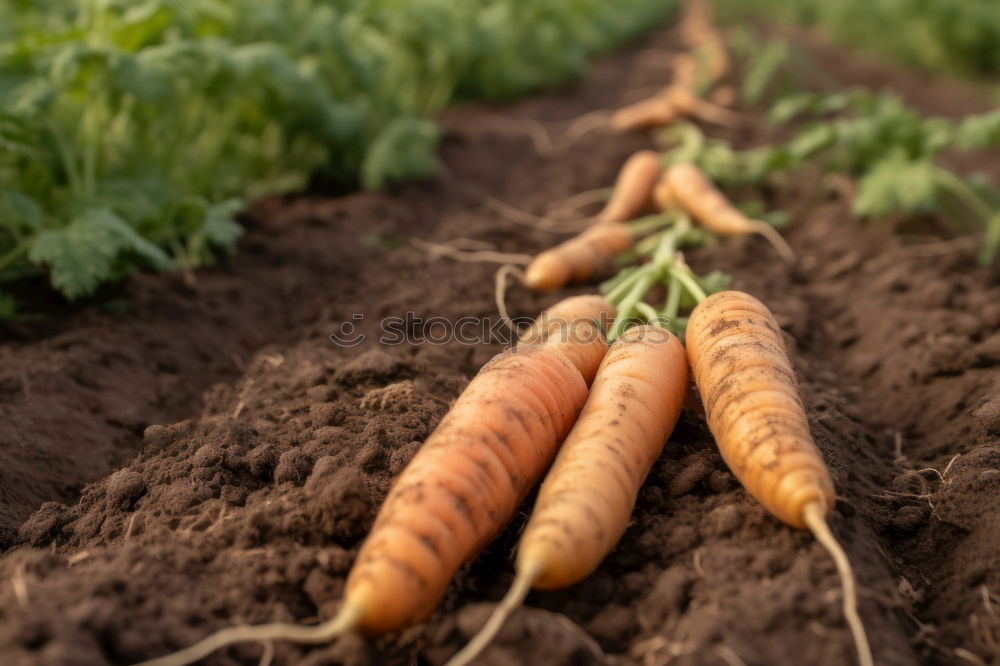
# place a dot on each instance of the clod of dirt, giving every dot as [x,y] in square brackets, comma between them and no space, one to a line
[531,635]
[613,625]
[987,413]
[722,521]
[909,518]
[668,597]
[694,468]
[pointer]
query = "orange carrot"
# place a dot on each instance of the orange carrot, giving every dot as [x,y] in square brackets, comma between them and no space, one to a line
[685,71]
[567,313]
[585,502]
[663,196]
[633,187]
[753,409]
[668,105]
[695,192]
[652,112]
[456,494]
[578,258]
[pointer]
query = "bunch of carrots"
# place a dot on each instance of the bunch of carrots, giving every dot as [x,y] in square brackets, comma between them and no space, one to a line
[591,407]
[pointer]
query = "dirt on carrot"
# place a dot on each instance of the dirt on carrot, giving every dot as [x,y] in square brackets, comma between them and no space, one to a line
[260,473]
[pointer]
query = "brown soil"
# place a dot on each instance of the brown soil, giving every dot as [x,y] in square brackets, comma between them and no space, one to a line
[251,508]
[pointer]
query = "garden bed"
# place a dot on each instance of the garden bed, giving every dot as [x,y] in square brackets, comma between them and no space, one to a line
[235,455]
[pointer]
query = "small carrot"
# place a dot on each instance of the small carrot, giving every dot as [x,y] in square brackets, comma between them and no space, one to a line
[633,187]
[585,502]
[456,494]
[578,258]
[667,106]
[695,25]
[566,313]
[753,409]
[692,189]
[685,70]
[663,195]
[652,112]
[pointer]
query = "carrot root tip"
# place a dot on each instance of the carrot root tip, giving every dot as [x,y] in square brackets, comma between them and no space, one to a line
[780,245]
[523,581]
[814,515]
[345,620]
[500,290]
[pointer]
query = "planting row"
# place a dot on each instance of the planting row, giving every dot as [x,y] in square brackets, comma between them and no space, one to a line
[131,132]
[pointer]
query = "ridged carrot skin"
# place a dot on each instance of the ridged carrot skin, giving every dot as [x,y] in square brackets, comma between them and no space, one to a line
[578,258]
[572,311]
[585,502]
[469,477]
[633,189]
[693,190]
[752,405]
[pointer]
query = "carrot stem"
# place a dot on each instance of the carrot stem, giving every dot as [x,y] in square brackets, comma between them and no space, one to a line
[684,275]
[673,303]
[345,620]
[814,515]
[991,241]
[642,284]
[649,223]
[623,286]
[664,252]
[649,312]
[962,191]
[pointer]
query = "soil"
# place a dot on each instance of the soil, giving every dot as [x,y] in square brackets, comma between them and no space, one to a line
[196,452]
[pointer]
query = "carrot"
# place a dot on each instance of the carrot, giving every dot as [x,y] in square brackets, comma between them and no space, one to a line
[652,112]
[685,70]
[567,312]
[633,187]
[585,502]
[578,258]
[663,196]
[456,494]
[696,23]
[695,192]
[748,388]
[665,107]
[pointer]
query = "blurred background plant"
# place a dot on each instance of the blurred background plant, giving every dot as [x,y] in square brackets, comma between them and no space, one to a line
[130,132]
[957,37]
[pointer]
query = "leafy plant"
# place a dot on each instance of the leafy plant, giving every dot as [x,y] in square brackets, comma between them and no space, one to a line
[951,36]
[131,131]
[891,149]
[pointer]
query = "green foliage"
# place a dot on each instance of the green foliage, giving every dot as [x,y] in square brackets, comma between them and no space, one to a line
[890,148]
[896,183]
[131,130]
[763,68]
[951,36]
[403,149]
[84,252]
